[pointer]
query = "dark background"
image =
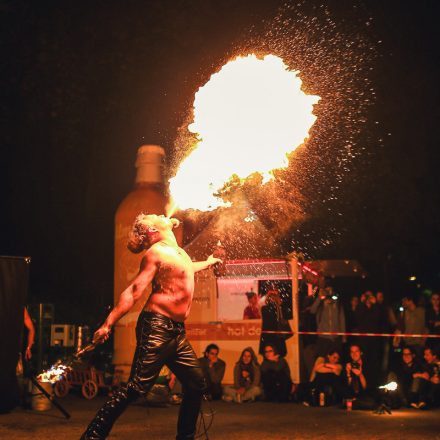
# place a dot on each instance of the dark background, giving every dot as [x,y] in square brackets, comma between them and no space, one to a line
[85,83]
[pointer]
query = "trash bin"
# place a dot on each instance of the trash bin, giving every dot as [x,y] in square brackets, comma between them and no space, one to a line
[40,402]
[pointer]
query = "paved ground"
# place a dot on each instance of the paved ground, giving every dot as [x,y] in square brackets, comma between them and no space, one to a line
[253,421]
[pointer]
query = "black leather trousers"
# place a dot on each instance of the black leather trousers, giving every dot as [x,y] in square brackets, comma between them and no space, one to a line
[160,340]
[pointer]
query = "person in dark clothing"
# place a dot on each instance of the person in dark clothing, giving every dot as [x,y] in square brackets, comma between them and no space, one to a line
[351,314]
[355,380]
[412,387]
[368,319]
[326,377]
[275,376]
[433,321]
[432,377]
[214,369]
[388,324]
[273,320]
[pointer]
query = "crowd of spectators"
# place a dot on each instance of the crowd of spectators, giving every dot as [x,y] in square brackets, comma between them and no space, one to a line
[343,369]
[370,361]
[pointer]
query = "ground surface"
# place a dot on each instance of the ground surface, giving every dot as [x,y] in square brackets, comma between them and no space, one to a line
[253,421]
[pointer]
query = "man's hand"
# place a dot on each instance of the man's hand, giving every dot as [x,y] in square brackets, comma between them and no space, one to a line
[102,334]
[357,371]
[213,260]
[245,374]
[28,353]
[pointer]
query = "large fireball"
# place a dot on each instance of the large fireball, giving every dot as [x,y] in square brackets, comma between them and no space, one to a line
[247,118]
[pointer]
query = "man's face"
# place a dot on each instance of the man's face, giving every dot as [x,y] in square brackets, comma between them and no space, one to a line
[428,356]
[407,356]
[253,300]
[355,353]
[269,353]
[406,303]
[213,355]
[435,300]
[379,297]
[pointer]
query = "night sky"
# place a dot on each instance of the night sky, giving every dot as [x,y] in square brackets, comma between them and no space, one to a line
[86,83]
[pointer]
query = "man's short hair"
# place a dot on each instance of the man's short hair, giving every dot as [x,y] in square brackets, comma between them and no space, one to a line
[412,295]
[275,351]
[211,347]
[142,225]
[250,295]
[432,350]
[409,348]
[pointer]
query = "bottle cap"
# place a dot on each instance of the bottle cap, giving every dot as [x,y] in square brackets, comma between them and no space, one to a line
[149,163]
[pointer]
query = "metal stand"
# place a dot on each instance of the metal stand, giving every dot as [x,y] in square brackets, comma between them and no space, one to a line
[51,398]
[382,409]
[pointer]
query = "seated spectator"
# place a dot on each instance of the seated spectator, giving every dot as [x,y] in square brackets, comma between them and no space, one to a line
[214,370]
[356,383]
[160,394]
[252,310]
[275,376]
[326,377]
[432,375]
[409,375]
[247,378]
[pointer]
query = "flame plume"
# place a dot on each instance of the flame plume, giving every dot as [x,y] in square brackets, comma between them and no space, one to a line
[247,118]
[55,373]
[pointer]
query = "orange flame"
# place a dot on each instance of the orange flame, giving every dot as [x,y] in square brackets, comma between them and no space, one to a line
[247,118]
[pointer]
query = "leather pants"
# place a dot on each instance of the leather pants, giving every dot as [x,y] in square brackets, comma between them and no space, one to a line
[160,340]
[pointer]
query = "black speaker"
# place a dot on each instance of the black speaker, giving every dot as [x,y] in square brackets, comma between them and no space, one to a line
[14,279]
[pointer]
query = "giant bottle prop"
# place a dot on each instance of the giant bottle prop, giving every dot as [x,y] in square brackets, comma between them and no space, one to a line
[149,197]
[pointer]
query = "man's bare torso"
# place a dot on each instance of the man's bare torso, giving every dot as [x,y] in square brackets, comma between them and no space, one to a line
[173,283]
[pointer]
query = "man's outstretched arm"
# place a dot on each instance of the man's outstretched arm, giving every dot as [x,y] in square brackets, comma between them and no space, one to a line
[201,265]
[129,296]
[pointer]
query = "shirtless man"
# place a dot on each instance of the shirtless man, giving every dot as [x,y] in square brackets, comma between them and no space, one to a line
[160,331]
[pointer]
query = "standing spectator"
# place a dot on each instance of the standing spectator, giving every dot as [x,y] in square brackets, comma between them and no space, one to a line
[275,376]
[352,314]
[330,317]
[214,370]
[432,375]
[247,377]
[433,321]
[369,322]
[252,311]
[413,323]
[273,321]
[387,324]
